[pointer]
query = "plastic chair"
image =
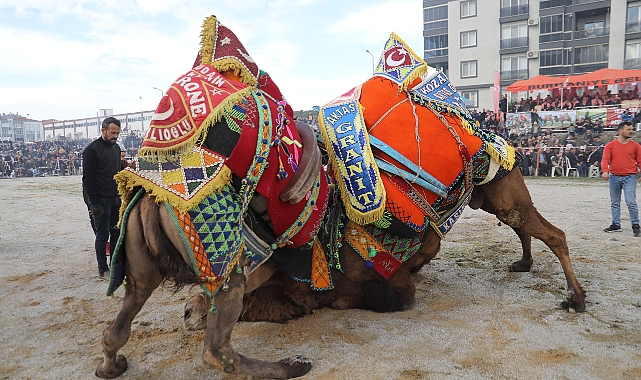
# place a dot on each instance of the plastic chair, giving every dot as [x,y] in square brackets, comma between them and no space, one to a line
[570,169]
[594,172]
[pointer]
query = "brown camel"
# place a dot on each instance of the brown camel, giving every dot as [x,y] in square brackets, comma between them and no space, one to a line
[155,253]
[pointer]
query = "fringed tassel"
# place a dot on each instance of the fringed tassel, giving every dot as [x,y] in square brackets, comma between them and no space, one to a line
[282,174]
[234,65]
[127,181]
[208,39]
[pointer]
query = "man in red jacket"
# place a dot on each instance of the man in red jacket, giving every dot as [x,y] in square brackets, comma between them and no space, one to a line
[621,164]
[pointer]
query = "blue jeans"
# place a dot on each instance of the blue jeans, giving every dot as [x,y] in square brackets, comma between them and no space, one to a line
[628,184]
[106,231]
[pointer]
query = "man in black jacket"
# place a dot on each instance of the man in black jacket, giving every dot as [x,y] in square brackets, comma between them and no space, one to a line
[101,162]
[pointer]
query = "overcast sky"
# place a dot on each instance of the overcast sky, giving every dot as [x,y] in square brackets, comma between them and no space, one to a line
[64,59]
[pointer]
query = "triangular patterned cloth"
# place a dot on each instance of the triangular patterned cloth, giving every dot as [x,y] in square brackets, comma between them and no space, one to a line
[183,183]
[211,232]
[399,63]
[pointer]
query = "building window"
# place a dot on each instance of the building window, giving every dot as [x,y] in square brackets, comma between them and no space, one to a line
[434,18]
[468,69]
[633,24]
[590,58]
[472,96]
[514,36]
[468,39]
[468,8]
[514,7]
[632,56]
[514,68]
[555,28]
[436,46]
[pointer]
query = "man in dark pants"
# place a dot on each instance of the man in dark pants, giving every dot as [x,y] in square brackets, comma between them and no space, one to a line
[101,162]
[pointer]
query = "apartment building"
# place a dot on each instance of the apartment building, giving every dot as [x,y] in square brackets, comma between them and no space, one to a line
[17,128]
[470,40]
[136,122]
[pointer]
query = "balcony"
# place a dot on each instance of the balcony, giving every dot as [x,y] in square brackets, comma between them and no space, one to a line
[590,33]
[632,64]
[436,53]
[514,75]
[514,43]
[554,3]
[588,68]
[555,70]
[633,27]
[515,10]
[561,36]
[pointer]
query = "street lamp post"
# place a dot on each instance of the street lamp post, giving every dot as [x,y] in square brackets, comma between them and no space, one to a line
[370,54]
[142,120]
[162,93]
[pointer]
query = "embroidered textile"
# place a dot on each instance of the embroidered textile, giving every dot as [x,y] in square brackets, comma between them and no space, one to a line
[117,272]
[343,130]
[223,50]
[269,146]
[399,63]
[183,183]
[194,102]
[437,88]
[212,234]
[321,276]
[420,135]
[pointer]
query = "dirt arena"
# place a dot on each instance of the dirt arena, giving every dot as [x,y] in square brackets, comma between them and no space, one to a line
[472,319]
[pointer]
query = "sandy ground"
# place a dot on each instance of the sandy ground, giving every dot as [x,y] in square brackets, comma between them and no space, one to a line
[472,320]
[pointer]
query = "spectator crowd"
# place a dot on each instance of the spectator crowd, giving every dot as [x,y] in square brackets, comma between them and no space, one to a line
[42,158]
[573,102]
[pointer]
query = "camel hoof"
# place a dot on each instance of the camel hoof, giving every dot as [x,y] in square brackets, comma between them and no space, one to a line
[573,306]
[121,366]
[520,266]
[299,365]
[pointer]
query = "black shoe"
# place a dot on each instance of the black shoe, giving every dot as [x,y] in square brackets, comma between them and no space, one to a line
[613,228]
[102,275]
[636,230]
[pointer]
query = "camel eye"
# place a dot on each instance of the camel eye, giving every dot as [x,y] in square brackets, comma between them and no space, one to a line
[187,314]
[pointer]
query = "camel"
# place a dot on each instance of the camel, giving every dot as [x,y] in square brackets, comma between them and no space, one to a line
[154,251]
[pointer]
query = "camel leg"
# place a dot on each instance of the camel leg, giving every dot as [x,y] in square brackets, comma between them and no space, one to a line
[142,279]
[218,353]
[509,199]
[525,264]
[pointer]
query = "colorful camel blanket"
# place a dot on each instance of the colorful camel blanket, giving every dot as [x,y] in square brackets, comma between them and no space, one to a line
[194,102]
[425,151]
[212,236]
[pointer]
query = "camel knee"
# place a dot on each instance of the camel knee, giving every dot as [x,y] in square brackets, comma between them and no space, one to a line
[514,218]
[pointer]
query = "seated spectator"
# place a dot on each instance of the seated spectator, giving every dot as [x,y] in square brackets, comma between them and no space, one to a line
[544,162]
[556,163]
[627,115]
[576,163]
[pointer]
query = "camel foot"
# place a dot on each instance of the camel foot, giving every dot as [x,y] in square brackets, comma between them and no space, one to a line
[573,304]
[521,266]
[119,368]
[299,365]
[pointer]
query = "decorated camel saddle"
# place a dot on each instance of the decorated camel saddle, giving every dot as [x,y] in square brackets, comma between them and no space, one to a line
[240,177]
[222,137]
[397,178]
